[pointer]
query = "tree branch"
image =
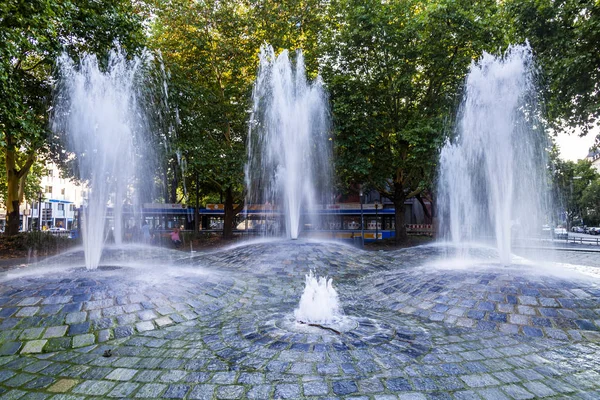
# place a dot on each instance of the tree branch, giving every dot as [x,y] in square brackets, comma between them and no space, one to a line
[34,65]
[25,168]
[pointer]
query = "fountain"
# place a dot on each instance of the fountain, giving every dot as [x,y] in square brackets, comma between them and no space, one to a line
[98,114]
[319,302]
[288,148]
[492,175]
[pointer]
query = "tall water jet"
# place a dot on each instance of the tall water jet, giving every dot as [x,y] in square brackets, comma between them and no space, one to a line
[289,153]
[492,180]
[98,115]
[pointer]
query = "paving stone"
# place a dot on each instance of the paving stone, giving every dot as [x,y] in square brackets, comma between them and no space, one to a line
[412,396]
[343,388]
[539,389]
[55,331]
[31,333]
[18,380]
[79,329]
[13,394]
[398,385]
[224,378]
[225,336]
[76,318]
[163,321]
[27,311]
[63,385]
[230,392]
[287,391]
[144,326]
[204,392]
[176,391]
[104,335]
[39,382]
[123,331]
[83,340]
[121,374]
[315,388]
[477,381]
[10,348]
[33,346]
[151,390]
[492,394]
[517,392]
[123,390]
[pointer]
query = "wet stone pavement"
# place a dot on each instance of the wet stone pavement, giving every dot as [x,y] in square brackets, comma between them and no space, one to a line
[219,326]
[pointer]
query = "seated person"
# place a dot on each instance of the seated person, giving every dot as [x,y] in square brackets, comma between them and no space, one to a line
[175,237]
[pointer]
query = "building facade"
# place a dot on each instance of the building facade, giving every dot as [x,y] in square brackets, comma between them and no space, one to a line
[56,204]
[594,157]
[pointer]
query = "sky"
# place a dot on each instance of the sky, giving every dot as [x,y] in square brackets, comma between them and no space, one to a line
[572,147]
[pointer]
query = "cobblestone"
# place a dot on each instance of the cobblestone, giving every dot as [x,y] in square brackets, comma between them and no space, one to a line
[220,326]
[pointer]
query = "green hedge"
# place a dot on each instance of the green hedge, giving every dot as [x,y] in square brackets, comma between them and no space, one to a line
[41,241]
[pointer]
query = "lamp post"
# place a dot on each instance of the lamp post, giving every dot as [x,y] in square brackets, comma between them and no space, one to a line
[40,210]
[362,219]
[376,220]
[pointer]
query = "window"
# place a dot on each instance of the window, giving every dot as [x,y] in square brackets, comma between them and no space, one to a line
[49,189]
[50,173]
[62,191]
[61,206]
[71,207]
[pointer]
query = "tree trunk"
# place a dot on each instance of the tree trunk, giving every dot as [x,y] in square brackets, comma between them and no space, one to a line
[197,212]
[428,215]
[228,216]
[399,197]
[15,179]
[174,183]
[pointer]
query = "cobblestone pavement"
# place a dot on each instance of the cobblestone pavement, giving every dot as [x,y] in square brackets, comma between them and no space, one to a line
[220,326]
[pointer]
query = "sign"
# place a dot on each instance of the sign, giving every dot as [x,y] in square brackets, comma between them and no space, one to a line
[164,205]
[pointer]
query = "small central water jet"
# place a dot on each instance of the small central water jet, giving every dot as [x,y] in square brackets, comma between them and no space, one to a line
[319,304]
[492,180]
[288,164]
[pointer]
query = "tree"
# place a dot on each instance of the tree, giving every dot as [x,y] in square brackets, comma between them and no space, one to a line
[211,49]
[32,34]
[394,70]
[571,187]
[590,203]
[565,36]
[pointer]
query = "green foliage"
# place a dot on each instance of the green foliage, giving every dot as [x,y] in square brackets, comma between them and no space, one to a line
[204,48]
[32,181]
[211,52]
[394,70]
[590,203]
[37,241]
[574,187]
[32,34]
[565,36]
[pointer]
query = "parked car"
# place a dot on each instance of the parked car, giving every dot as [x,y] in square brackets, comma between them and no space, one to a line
[594,231]
[561,233]
[578,229]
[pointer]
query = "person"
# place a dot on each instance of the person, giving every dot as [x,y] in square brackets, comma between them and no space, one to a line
[146,232]
[175,237]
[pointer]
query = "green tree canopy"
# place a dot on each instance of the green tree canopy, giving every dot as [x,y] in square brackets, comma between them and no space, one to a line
[565,36]
[32,34]
[394,70]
